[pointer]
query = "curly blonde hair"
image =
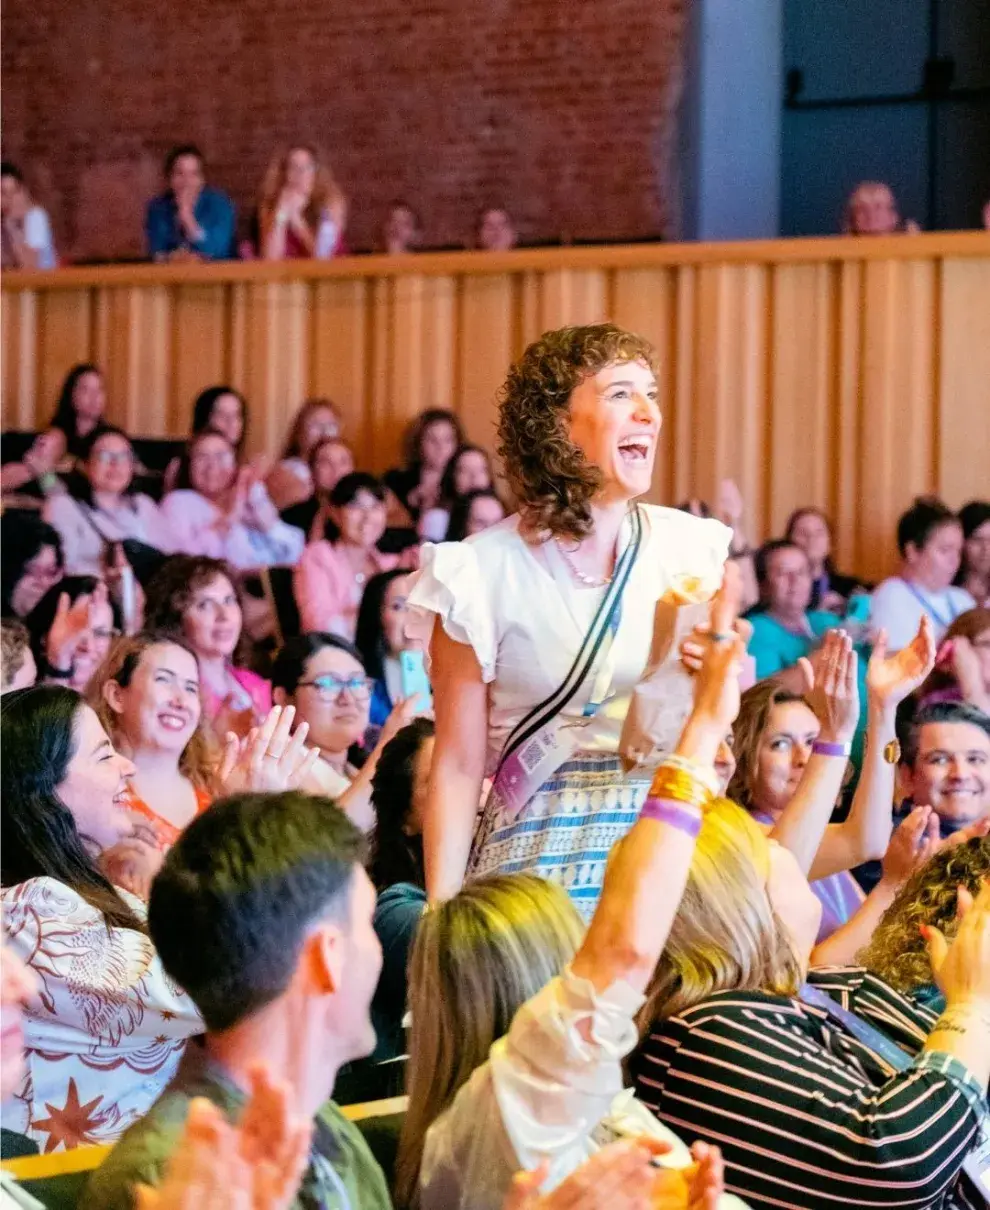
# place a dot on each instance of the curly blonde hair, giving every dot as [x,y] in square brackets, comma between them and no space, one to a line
[897,951]
[549,475]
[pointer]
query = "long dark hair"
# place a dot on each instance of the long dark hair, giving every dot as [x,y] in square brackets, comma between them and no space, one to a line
[23,536]
[39,620]
[448,487]
[413,440]
[396,856]
[369,636]
[183,476]
[460,514]
[40,837]
[203,412]
[64,417]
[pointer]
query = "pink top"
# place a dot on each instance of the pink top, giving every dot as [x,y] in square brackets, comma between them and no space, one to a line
[328,592]
[240,717]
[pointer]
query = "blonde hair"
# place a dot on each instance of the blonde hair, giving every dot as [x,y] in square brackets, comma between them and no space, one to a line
[327,196]
[725,936]
[477,959]
[200,759]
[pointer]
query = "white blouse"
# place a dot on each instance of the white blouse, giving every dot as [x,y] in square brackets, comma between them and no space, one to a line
[551,1089]
[197,525]
[106,1028]
[520,608]
[85,531]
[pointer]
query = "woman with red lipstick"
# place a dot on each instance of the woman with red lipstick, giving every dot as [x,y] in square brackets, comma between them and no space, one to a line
[147,696]
[546,620]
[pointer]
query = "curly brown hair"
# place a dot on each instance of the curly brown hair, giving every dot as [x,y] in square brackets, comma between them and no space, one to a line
[549,475]
[171,590]
[897,951]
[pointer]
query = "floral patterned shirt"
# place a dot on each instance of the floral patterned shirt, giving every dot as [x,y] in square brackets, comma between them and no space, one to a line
[106,1028]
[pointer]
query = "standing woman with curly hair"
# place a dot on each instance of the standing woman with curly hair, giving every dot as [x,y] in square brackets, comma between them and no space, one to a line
[302,210]
[546,621]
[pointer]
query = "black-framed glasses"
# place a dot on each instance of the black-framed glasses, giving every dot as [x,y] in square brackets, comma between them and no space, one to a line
[331,687]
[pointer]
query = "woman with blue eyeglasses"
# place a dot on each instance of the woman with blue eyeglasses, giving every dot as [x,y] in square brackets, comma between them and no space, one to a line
[323,677]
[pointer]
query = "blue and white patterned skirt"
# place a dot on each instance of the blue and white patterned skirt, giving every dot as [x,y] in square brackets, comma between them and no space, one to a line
[566,830]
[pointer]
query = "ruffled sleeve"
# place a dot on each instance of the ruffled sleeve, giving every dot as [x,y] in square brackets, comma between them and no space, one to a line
[452,587]
[692,550]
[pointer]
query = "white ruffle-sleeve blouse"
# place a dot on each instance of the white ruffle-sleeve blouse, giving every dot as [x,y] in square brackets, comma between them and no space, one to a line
[519,607]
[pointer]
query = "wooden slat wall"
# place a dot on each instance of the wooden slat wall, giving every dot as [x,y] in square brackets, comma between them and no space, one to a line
[846,373]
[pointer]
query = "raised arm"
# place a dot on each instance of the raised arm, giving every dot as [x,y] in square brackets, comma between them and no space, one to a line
[648,869]
[461,703]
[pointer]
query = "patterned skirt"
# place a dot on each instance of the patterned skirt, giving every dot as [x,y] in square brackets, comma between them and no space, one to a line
[566,830]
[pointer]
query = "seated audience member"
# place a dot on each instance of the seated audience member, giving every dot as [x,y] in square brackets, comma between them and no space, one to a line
[17,666]
[106,1028]
[146,696]
[100,508]
[26,231]
[811,530]
[190,220]
[945,764]
[791,755]
[330,576]
[283,968]
[962,670]
[71,629]
[197,598]
[32,562]
[520,1018]
[381,638]
[469,470]
[431,441]
[322,677]
[733,1010]
[218,409]
[914,846]
[872,210]
[974,572]
[302,210]
[474,513]
[930,541]
[291,481]
[329,461]
[402,231]
[897,951]
[495,231]
[398,792]
[79,413]
[223,511]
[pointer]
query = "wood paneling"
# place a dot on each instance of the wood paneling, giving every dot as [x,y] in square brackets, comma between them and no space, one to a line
[851,374]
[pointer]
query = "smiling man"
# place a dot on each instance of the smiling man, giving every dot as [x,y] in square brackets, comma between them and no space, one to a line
[945,763]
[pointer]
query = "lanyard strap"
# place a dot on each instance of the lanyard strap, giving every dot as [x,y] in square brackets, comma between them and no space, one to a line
[599,637]
[929,608]
[861,1030]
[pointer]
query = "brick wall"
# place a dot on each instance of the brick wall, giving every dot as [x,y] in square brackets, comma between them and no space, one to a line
[559,109]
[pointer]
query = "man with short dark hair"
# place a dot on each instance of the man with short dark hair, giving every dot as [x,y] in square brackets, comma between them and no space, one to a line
[190,220]
[263,913]
[945,763]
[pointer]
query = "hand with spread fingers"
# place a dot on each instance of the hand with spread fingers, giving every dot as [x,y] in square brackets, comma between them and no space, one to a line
[914,842]
[831,686]
[269,759]
[256,1165]
[892,678]
[72,623]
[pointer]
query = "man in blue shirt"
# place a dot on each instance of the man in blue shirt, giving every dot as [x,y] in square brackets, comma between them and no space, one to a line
[190,221]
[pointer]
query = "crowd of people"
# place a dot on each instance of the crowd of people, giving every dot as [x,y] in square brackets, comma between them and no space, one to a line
[650,866]
[301,213]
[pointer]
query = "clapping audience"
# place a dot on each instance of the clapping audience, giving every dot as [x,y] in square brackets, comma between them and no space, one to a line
[431,442]
[329,461]
[302,211]
[291,481]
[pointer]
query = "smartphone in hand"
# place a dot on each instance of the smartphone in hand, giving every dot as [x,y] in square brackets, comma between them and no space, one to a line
[415,680]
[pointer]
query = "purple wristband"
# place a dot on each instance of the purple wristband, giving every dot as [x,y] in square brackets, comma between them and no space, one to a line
[677,815]
[822,748]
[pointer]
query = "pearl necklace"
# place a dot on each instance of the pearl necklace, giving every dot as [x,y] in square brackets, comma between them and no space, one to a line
[578,574]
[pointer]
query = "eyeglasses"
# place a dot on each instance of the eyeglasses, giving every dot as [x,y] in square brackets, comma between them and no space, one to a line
[224,458]
[330,688]
[113,457]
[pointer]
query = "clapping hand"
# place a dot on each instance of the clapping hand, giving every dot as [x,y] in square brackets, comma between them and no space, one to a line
[962,967]
[892,678]
[134,861]
[71,624]
[257,1164]
[267,760]
[716,691]
[914,841]
[831,686]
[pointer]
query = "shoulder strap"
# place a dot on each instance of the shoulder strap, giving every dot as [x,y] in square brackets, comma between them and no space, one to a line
[861,1030]
[604,622]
